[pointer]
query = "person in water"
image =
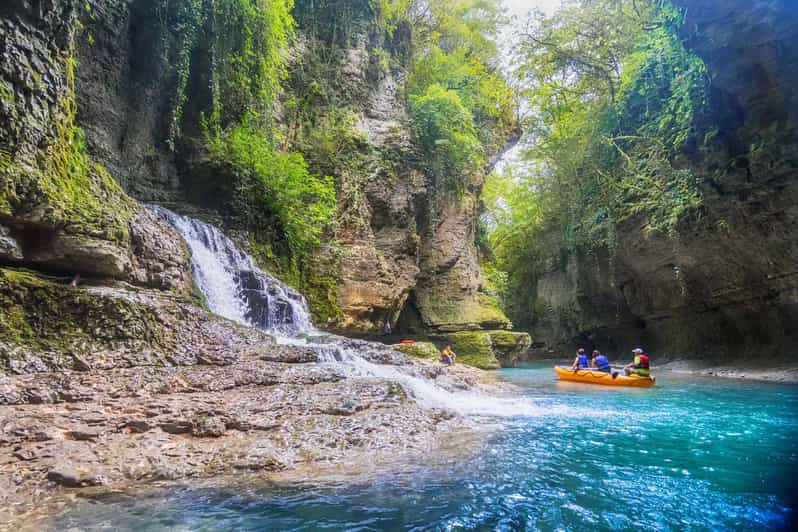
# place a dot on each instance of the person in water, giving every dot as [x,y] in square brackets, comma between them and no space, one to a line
[448,356]
[640,365]
[580,362]
[600,362]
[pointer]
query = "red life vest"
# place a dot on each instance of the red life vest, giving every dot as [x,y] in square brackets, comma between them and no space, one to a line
[643,361]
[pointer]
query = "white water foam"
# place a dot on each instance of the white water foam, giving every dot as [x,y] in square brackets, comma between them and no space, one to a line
[231,283]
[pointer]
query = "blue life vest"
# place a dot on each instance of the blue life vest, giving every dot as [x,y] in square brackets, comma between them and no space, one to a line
[602,363]
[583,363]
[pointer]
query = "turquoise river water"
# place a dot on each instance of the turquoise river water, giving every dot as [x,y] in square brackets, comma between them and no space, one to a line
[691,454]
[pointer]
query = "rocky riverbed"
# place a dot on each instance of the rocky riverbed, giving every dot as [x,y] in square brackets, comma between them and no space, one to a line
[206,398]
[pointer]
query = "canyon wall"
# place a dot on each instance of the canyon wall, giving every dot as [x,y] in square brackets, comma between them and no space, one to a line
[90,98]
[724,285]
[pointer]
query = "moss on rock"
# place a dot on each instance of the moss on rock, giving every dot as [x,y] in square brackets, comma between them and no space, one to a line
[60,187]
[419,350]
[473,348]
[508,346]
[55,323]
[481,311]
[488,349]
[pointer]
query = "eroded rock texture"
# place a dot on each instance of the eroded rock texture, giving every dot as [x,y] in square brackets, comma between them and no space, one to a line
[60,211]
[726,285]
[113,386]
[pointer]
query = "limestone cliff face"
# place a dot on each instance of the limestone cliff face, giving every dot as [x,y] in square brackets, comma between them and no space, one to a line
[726,285]
[402,265]
[99,79]
[60,211]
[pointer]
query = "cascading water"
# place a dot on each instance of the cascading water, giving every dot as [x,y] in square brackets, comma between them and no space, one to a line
[238,290]
[231,283]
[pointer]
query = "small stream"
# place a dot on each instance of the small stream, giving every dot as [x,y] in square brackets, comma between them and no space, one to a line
[692,454]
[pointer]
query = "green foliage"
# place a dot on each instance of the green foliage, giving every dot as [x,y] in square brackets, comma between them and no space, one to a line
[190,18]
[483,92]
[271,190]
[460,107]
[445,129]
[246,41]
[336,23]
[663,87]
[275,186]
[619,104]
[249,39]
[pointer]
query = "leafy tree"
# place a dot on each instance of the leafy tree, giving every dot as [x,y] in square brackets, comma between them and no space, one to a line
[617,104]
[460,105]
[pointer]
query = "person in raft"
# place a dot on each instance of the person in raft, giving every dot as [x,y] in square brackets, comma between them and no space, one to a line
[448,356]
[600,362]
[640,366]
[580,362]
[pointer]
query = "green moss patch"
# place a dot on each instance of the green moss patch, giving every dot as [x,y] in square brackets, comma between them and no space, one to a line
[57,321]
[473,348]
[509,346]
[479,311]
[419,350]
[63,188]
[488,349]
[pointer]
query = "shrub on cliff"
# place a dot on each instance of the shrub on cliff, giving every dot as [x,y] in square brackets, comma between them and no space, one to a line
[271,184]
[445,129]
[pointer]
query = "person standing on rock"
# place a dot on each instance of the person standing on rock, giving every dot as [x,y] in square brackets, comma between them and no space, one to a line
[448,356]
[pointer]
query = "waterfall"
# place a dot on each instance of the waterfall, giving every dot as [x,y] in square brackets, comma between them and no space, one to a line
[231,283]
[238,290]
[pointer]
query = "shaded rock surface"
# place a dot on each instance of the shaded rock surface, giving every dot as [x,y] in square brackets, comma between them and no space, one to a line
[724,287]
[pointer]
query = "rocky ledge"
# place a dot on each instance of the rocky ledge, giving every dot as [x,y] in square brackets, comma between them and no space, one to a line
[141,386]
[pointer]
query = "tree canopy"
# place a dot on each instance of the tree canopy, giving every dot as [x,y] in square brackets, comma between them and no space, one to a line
[616,106]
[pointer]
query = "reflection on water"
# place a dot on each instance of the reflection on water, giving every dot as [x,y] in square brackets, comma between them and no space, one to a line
[693,453]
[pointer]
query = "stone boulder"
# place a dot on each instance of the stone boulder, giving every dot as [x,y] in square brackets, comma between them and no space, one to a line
[488,349]
[419,350]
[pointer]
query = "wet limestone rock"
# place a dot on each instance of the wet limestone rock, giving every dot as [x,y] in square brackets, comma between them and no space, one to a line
[9,248]
[508,347]
[74,477]
[419,350]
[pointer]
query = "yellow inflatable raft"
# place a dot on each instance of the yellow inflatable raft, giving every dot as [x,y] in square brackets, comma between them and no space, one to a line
[565,373]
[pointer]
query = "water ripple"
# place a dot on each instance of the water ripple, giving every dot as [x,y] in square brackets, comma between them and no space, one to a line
[695,454]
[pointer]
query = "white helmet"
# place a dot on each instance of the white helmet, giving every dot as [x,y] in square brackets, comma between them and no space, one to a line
[637,350]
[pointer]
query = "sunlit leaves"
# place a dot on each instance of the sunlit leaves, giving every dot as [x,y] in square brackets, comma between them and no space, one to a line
[278,185]
[460,106]
[445,129]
